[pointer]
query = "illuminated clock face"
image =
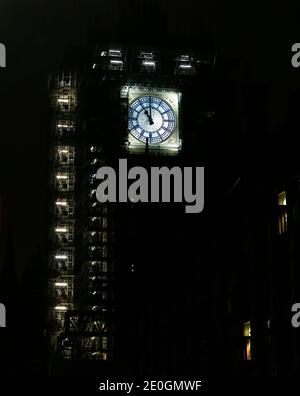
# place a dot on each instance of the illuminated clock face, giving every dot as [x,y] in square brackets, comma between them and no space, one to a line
[151,118]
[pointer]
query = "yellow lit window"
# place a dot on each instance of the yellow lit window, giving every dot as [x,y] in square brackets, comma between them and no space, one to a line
[281,199]
[282,213]
[247,340]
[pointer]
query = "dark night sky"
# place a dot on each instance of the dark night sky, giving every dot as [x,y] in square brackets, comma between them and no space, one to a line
[38,32]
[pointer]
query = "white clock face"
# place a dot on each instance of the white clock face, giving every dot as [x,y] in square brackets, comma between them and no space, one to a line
[151,118]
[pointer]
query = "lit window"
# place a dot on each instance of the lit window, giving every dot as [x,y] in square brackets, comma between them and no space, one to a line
[61,177]
[116,62]
[61,284]
[247,340]
[184,58]
[148,63]
[282,199]
[116,53]
[63,100]
[61,203]
[61,230]
[147,55]
[247,329]
[115,65]
[61,308]
[282,213]
[65,126]
[185,66]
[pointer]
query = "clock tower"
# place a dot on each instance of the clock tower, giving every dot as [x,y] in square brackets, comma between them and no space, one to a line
[110,265]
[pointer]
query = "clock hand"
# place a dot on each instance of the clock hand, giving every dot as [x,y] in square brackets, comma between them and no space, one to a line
[151,122]
[150,107]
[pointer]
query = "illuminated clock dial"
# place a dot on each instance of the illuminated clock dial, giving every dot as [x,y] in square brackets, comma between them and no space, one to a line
[151,118]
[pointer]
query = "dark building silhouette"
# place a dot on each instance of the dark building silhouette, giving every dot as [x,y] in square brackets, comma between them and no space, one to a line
[101,278]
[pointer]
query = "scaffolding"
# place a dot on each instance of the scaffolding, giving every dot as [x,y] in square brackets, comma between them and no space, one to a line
[87,336]
[62,205]
[80,259]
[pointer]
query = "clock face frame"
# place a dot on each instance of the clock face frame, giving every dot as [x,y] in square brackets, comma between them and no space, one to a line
[151,118]
[167,142]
